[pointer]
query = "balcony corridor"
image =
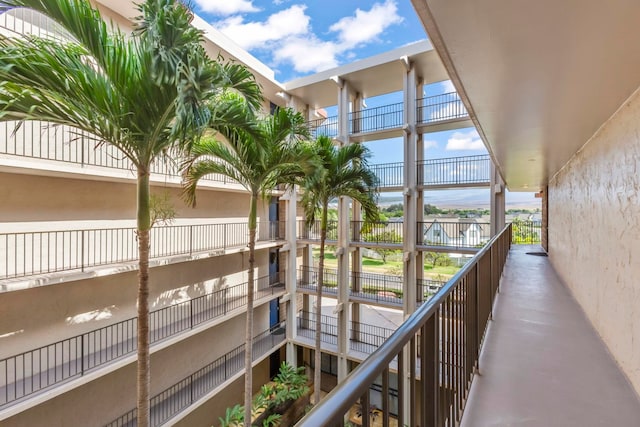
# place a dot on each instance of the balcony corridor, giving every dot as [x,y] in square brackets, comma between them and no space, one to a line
[542,363]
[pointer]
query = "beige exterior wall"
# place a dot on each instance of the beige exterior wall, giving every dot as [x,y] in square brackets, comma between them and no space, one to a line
[112,395]
[27,198]
[594,233]
[34,317]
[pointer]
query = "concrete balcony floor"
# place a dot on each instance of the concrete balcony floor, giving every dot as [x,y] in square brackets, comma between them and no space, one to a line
[543,364]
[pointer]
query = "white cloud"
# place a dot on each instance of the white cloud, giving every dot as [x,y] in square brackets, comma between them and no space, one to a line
[281,25]
[447,86]
[290,38]
[307,54]
[465,141]
[366,26]
[226,7]
[430,144]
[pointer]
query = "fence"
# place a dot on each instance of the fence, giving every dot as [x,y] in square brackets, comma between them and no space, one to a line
[464,170]
[186,392]
[447,106]
[364,338]
[526,232]
[27,373]
[32,253]
[444,335]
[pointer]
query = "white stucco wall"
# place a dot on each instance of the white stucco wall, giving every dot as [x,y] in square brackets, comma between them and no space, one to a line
[594,233]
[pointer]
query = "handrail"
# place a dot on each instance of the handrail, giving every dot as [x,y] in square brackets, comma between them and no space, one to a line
[40,252]
[375,287]
[173,400]
[77,355]
[331,410]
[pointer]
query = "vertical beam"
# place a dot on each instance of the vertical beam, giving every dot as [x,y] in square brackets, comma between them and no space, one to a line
[410,192]
[420,156]
[409,227]
[343,239]
[544,237]
[290,274]
[497,201]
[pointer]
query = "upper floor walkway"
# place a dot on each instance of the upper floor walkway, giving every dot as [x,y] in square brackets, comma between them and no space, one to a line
[433,113]
[543,364]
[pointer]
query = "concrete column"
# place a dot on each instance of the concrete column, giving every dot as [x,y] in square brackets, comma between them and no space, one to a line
[420,156]
[419,214]
[410,191]
[290,274]
[410,211]
[342,307]
[497,201]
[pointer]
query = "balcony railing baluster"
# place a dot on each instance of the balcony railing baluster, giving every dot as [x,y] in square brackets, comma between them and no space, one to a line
[32,253]
[101,346]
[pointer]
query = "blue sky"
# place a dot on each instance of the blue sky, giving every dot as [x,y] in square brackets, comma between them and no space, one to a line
[297,38]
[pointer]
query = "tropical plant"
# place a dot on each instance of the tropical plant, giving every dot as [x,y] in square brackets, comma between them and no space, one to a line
[144,93]
[343,172]
[233,417]
[259,157]
[290,384]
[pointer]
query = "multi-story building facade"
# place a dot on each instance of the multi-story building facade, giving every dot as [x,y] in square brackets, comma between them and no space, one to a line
[68,250]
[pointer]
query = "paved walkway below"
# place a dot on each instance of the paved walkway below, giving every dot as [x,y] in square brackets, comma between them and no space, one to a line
[543,364]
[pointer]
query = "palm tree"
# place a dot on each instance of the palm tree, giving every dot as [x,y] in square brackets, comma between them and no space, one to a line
[144,94]
[259,158]
[344,172]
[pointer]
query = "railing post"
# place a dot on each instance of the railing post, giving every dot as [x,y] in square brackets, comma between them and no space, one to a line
[191,313]
[82,354]
[429,370]
[82,251]
[191,240]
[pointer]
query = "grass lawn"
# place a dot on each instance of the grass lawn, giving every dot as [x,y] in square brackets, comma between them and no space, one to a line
[378,266]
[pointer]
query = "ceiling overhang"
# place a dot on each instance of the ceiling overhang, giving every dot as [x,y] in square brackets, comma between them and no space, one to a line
[369,77]
[539,78]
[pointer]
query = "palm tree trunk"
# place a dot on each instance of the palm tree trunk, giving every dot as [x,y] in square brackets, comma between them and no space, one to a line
[248,344]
[317,359]
[144,225]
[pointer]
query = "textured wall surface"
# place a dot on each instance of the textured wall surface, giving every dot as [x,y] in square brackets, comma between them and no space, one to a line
[594,233]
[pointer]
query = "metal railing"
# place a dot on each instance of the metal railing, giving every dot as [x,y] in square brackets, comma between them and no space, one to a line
[377,232]
[312,231]
[451,171]
[22,21]
[526,232]
[431,109]
[47,141]
[374,287]
[465,170]
[323,127]
[447,332]
[389,174]
[377,118]
[41,252]
[170,402]
[452,234]
[32,371]
[447,106]
[364,338]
